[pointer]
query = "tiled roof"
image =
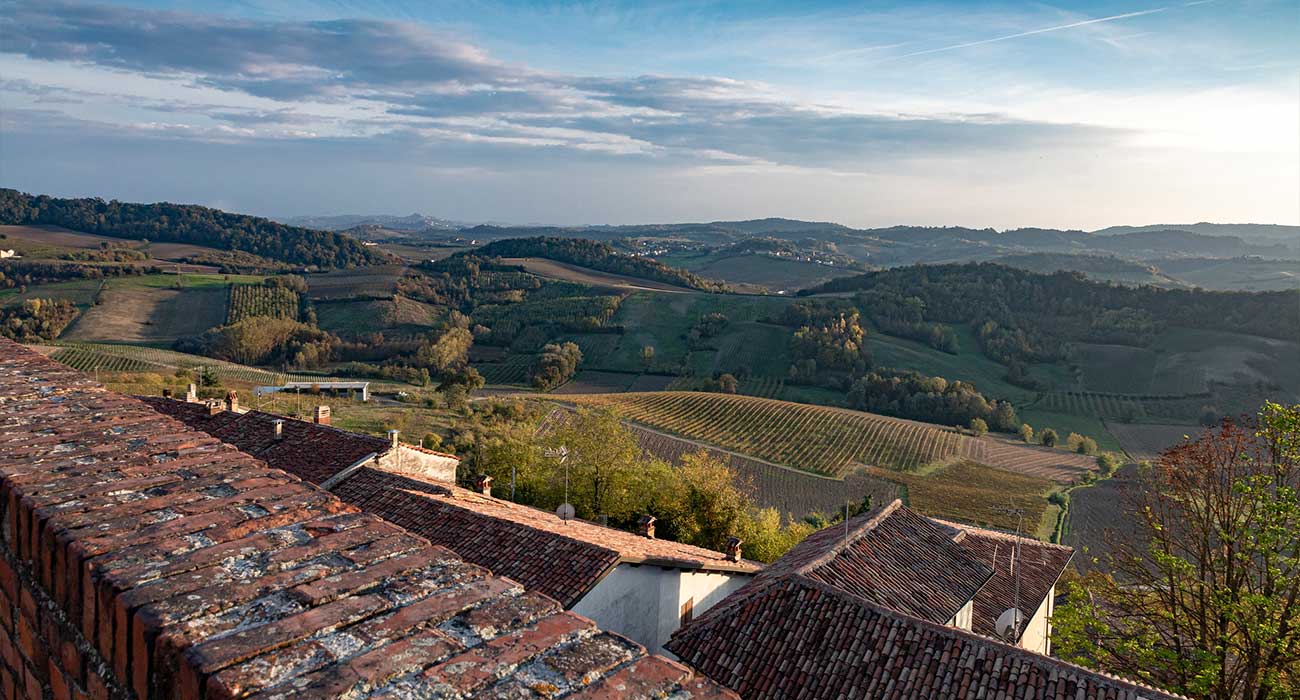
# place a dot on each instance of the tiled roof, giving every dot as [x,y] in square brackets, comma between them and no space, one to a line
[895,558]
[1040,565]
[184,568]
[796,631]
[789,636]
[307,450]
[561,559]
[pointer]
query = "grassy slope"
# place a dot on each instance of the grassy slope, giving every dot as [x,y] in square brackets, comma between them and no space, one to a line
[762,270]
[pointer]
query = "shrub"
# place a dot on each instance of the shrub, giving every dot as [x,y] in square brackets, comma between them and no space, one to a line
[1026,432]
[979,427]
[1049,437]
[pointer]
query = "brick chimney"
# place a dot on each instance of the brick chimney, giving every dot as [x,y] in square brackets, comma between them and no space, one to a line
[167,393]
[392,438]
[279,428]
[483,484]
[214,406]
[733,548]
[646,526]
[321,416]
[192,393]
[232,401]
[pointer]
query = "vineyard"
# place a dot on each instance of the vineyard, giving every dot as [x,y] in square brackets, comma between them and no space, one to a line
[792,493]
[813,438]
[91,357]
[1127,407]
[249,300]
[513,373]
[980,495]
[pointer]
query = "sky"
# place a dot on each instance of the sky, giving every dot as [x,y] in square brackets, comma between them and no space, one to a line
[1009,114]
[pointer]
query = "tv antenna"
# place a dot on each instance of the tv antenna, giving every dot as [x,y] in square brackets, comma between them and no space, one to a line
[566,510]
[1009,622]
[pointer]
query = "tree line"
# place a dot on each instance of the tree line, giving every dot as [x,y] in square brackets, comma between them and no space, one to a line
[188,223]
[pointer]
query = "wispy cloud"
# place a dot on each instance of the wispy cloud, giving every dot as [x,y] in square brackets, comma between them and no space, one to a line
[1032,32]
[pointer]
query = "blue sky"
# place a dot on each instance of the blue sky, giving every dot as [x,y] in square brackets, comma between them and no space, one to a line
[1072,115]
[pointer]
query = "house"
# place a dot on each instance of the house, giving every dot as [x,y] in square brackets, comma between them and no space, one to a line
[9,253]
[311,450]
[143,558]
[1025,572]
[630,583]
[358,389]
[825,621]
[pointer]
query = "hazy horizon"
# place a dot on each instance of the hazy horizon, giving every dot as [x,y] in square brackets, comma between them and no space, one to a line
[985,115]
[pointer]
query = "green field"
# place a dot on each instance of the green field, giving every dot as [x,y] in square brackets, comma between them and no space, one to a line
[1066,423]
[767,271]
[969,365]
[357,316]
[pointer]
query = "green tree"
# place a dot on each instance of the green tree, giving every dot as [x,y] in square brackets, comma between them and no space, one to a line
[647,356]
[1026,432]
[1205,593]
[767,538]
[604,466]
[1108,463]
[555,365]
[449,352]
[979,427]
[1048,437]
[728,384]
[711,503]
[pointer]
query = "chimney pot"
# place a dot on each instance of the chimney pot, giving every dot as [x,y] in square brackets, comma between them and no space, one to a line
[392,438]
[279,428]
[322,415]
[483,484]
[232,401]
[733,548]
[646,526]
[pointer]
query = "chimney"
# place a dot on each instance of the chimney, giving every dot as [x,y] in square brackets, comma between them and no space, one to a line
[646,526]
[167,393]
[192,393]
[279,428]
[392,438]
[733,548]
[483,484]
[214,406]
[322,415]
[232,401]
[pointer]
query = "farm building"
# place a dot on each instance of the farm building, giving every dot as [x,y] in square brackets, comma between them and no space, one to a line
[880,608]
[631,583]
[310,450]
[360,390]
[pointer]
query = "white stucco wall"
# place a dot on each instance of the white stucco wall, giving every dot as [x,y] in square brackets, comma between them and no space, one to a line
[1037,636]
[964,617]
[644,603]
[413,461]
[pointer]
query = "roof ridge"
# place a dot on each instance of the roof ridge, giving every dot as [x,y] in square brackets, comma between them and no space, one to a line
[1013,649]
[1000,534]
[854,534]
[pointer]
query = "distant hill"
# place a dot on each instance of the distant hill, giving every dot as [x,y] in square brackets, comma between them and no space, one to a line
[341,222]
[1272,233]
[188,223]
[1098,267]
[596,256]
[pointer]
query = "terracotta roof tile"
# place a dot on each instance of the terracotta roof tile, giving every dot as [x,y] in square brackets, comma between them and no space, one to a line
[895,558]
[789,633]
[561,559]
[186,568]
[307,450]
[1040,564]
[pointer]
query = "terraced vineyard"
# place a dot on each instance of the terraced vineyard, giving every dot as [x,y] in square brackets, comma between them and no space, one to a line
[813,438]
[249,300]
[1127,407]
[1043,462]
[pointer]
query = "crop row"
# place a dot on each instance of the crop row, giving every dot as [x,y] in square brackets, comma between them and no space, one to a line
[503,373]
[813,438]
[249,300]
[129,358]
[1121,406]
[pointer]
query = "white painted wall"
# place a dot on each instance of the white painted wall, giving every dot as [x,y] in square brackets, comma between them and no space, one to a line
[964,617]
[413,461]
[1037,636]
[644,602]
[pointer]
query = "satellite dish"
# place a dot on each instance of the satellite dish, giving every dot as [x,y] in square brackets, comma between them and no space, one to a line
[1009,624]
[565,511]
